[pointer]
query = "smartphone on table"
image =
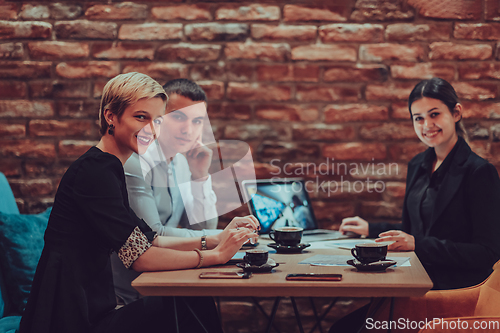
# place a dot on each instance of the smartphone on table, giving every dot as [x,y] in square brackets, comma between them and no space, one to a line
[314,277]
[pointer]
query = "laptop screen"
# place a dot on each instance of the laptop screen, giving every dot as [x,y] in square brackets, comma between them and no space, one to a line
[279,203]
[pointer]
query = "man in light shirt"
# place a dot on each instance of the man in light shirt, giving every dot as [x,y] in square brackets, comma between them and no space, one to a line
[169,185]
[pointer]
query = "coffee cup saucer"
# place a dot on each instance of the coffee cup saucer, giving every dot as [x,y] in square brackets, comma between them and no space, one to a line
[288,248]
[377,266]
[267,267]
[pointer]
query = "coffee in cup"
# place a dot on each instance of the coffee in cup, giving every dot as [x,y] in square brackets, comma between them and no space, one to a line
[256,257]
[369,252]
[287,236]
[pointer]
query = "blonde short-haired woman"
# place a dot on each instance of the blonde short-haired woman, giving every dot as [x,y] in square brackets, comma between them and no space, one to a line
[72,289]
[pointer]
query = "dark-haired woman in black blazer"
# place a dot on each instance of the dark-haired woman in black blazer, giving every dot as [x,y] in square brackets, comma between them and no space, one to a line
[451,212]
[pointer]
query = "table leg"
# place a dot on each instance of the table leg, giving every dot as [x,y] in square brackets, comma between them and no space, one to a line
[391,312]
[318,323]
[273,313]
[175,316]
[264,313]
[195,316]
[320,319]
[217,301]
[370,314]
[297,315]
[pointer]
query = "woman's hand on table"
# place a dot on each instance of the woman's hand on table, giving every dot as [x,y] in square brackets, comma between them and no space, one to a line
[249,222]
[401,240]
[231,241]
[354,224]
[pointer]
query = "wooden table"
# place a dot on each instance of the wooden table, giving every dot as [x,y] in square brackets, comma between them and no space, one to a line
[395,282]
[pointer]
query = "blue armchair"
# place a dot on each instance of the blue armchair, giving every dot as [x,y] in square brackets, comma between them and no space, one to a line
[7,205]
[21,243]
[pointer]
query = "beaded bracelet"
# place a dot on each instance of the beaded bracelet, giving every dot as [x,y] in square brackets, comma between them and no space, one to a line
[201,257]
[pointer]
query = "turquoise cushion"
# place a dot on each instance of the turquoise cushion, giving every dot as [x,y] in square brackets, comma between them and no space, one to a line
[2,292]
[21,244]
[8,202]
[9,324]
[7,205]
[2,295]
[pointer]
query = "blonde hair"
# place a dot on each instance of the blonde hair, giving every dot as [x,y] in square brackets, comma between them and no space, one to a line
[124,90]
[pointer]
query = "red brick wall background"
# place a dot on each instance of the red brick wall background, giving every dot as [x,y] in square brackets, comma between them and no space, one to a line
[300,81]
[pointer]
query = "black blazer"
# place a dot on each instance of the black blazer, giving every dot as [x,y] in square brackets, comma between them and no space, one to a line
[462,241]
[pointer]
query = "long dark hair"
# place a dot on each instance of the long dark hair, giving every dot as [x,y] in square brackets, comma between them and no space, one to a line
[440,89]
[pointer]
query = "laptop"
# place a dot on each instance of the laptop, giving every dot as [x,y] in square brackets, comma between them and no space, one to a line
[280,202]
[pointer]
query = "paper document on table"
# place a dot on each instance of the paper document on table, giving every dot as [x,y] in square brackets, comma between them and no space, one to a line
[349,244]
[341,260]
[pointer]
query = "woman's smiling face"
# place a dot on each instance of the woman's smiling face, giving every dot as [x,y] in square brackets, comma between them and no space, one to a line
[434,123]
[135,128]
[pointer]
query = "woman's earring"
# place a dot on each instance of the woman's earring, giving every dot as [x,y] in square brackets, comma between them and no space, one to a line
[111,129]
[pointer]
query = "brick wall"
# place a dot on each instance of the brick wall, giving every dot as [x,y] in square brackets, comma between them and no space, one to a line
[318,82]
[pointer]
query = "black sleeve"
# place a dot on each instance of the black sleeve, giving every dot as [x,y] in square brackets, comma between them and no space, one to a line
[99,190]
[483,207]
[145,228]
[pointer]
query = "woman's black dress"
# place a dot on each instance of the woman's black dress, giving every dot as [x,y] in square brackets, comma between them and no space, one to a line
[72,289]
